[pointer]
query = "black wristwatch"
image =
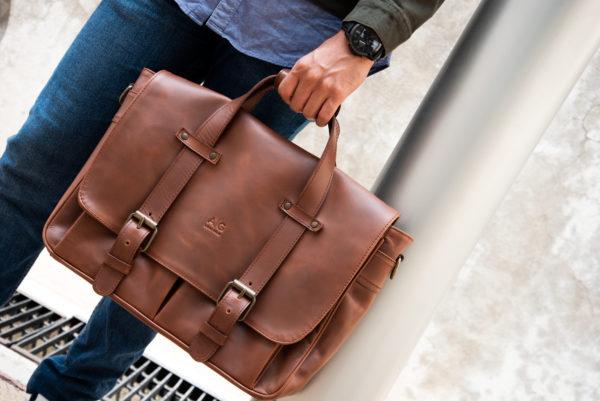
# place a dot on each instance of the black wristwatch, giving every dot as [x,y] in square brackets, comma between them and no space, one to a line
[363,40]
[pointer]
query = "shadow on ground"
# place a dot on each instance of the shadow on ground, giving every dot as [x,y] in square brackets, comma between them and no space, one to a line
[4,12]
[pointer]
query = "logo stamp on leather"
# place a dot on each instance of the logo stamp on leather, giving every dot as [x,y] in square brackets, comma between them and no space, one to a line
[215,226]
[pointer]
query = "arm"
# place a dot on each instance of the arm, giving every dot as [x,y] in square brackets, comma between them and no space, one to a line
[394,21]
[321,80]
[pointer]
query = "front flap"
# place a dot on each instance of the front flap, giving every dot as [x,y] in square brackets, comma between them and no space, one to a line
[228,210]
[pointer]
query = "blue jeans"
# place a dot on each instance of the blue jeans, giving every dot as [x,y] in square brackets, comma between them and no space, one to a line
[64,125]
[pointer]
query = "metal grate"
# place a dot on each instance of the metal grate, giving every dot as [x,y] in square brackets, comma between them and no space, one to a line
[36,332]
[147,381]
[22,317]
[54,339]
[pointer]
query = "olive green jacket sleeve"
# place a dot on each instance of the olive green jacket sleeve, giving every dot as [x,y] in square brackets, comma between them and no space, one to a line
[394,21]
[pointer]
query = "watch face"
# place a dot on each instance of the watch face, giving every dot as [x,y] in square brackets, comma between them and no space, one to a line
[364,42]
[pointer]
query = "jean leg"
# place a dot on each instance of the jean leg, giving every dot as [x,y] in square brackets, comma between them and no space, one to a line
[111,341]
[75,108]
[68,118]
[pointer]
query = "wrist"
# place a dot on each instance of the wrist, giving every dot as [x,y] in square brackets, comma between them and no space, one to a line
[345,49]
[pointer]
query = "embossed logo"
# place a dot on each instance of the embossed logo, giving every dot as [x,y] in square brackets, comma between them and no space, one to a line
[215,226]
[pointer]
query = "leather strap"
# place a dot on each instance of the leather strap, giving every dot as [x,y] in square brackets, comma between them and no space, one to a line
[155,206]
[233,304]
[269,259]
[119,259]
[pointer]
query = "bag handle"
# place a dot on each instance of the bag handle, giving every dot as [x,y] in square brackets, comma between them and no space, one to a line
[316,188]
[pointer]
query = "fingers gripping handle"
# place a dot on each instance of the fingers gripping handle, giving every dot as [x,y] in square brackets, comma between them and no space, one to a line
[317,187]
[254,98]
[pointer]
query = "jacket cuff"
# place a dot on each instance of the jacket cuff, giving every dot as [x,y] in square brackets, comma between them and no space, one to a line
[386,18]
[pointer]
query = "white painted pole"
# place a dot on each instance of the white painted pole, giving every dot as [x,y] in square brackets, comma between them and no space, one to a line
[500,88]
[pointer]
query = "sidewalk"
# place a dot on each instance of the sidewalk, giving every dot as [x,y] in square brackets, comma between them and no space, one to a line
[14,373]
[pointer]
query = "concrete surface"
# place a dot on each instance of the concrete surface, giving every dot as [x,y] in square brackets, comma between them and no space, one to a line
[4,8]
[14,372]
[522,321]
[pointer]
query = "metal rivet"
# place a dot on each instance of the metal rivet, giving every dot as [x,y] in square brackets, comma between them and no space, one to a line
[212,155]
[185,135]
[287,205]
[314,224]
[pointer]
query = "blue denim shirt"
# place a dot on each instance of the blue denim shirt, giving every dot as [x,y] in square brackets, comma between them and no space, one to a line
[277,31]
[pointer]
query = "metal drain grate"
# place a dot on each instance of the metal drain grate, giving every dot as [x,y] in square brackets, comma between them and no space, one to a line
[54,339]
[22,317]
[36,332]
[146,381]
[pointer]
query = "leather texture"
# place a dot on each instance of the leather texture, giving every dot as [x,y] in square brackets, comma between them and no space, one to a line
[250,253]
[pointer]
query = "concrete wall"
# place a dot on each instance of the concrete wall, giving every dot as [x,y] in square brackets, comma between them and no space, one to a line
[522,321]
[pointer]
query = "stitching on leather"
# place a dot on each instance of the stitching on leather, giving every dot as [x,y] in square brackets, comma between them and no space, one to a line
[71,228]
[158,215]
[312,346]
[206,122]
[187,347]
[253,264]
[133,249]
[367,283]
[136,312]
[267,334]
[284,255]
[51,225]
[188,176]
[382,254]
[298,219]
[197,148]
[274,354]
[82,192]
[208,129]
[357,268]
[403,233]
[332,312]
[326,192]
[189,173]
[313,175]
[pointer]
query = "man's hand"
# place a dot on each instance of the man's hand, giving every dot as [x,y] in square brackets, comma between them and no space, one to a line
[320,81]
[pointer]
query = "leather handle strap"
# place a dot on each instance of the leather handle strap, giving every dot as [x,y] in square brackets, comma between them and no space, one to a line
[251,102]
[234,304]
[313,193]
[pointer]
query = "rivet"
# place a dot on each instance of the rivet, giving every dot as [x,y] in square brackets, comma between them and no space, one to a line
[212,155]
[314,224]
[287,205]
[185,135]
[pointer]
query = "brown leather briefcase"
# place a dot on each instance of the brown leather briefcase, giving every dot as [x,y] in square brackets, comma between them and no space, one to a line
[248,252]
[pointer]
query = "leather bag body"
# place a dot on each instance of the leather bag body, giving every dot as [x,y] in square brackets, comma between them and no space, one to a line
[248,252]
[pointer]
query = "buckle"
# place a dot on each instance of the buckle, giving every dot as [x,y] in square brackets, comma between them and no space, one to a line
[124,93]
[244,291]
[144,221]
[399,260]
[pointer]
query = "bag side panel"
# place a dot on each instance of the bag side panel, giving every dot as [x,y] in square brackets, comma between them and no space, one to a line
[278,380]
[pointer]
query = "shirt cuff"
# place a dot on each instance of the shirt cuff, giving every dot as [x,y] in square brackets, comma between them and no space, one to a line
[386,18]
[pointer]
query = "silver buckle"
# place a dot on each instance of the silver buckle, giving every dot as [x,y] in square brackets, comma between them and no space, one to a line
[144,221]
[244,291]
